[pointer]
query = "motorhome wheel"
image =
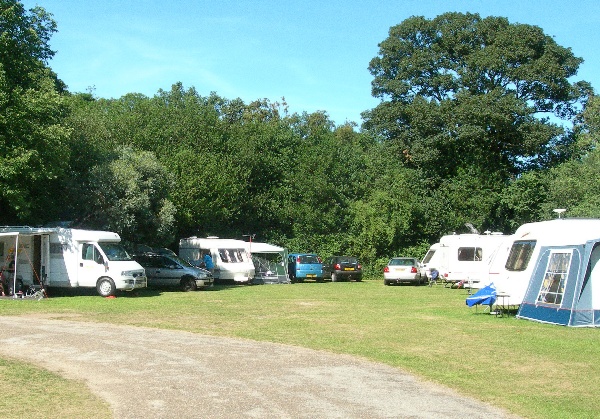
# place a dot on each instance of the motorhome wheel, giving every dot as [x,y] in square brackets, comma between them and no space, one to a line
[106,287]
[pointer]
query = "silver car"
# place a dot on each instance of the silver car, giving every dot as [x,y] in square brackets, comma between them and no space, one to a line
[402,269]
[172,271]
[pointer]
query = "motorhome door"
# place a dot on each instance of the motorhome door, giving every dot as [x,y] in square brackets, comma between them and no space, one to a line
[91,265]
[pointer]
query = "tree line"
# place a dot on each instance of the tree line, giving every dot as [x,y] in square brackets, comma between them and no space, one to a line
[478,123]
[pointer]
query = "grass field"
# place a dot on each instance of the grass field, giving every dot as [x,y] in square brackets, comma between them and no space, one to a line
[531,369]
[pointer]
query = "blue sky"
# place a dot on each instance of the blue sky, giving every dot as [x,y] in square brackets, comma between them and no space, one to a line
[313,53]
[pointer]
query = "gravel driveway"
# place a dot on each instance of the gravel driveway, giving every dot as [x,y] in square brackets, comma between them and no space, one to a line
[153,373]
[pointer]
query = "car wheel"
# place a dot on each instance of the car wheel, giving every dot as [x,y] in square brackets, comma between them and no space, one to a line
[333,277]
[386,282]
[106,287]
[188,284]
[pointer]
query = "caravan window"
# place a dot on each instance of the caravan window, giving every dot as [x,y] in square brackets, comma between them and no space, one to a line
[469,254]
[555,278]
[428,256]
[232,255]
[519,255]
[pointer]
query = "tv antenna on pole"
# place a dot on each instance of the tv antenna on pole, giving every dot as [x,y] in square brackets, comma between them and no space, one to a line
[251,236]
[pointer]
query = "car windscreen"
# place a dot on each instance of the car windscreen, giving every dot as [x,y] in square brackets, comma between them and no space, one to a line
[182,262]
[402,262]
[309,259]
[348,260]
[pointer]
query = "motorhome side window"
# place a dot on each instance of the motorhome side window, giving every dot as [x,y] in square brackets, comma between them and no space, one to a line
[469,254]
[231,255]
[90,252]
[519,255]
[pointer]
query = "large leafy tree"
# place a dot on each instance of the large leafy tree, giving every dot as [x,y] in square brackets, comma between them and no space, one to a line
[460,91]
[33,147]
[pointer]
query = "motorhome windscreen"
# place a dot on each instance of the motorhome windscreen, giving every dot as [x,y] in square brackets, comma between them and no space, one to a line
[555,278]
[115,251]
[232,255]
[519,255]
[469,254]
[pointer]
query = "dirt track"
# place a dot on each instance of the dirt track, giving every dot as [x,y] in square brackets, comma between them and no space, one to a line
[151,373]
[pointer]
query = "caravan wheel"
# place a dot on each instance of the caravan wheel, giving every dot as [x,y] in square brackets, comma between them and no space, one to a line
[106,287]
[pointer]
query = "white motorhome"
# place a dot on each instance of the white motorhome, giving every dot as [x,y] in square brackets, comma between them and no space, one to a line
[512,266]
[232,261]
[462,257]
[68,258]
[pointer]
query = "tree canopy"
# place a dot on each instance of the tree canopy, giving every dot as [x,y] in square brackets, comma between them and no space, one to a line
[461,91]
[33,146]
[467,132]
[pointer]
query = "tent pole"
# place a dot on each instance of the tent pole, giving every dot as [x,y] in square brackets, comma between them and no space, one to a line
[15,270]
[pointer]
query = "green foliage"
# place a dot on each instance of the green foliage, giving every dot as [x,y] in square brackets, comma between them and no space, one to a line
[129,194]
[459,91]
[33,149]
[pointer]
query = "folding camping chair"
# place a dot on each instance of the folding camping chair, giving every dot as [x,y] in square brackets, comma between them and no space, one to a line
[486,296]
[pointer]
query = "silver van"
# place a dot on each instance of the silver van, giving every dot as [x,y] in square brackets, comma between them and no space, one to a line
[171,271]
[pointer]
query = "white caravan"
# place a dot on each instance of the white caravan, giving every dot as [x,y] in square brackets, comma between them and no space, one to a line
[425,262]
[462,257]
[231,258]
[512,267]
[68,258]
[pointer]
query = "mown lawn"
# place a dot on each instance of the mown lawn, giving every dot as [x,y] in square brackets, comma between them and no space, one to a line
[531,369]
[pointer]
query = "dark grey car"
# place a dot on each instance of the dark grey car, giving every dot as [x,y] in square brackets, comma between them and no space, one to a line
[342,268]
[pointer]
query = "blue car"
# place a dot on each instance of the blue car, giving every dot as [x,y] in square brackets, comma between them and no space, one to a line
[303,266]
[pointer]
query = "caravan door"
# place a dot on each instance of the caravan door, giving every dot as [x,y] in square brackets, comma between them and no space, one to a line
[91,264]
[44,257]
